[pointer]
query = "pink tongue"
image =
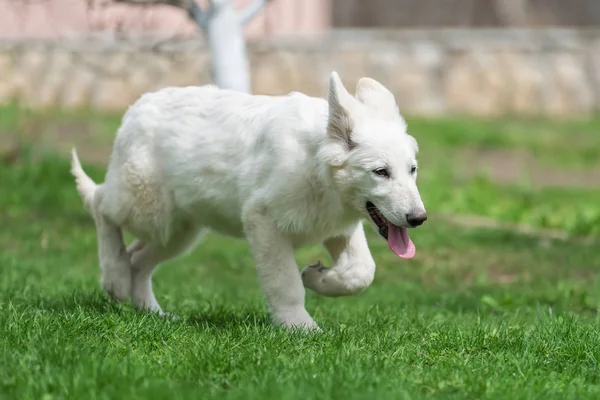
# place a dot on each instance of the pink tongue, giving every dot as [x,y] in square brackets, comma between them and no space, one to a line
[399,242]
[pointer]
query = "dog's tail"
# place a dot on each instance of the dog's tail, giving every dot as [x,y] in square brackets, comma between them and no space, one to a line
[85,185]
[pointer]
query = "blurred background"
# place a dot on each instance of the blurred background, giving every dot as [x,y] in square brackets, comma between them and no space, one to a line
[475,57]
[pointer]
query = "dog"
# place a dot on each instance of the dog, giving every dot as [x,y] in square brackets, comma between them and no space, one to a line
[282,171]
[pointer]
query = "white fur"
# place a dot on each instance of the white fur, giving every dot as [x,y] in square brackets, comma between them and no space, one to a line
[283,171]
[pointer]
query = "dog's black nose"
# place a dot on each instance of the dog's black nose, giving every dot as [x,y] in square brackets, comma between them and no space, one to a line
[416,219]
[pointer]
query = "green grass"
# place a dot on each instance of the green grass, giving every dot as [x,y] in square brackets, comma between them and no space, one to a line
[479,313]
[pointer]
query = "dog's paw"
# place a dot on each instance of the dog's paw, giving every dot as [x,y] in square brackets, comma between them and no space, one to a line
[117,287]
[296,320]
[313,275]
[323,280]
[330,282]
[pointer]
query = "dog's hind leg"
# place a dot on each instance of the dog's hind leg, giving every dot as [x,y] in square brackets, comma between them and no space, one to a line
[114,261]
[145,258]
[353,271]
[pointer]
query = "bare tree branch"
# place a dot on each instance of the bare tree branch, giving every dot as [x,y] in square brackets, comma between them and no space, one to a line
[185,4]
[216,4]
[223,27]
[251,10]
[197,14]
[194,11]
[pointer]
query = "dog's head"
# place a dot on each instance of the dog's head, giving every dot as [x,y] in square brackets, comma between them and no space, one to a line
[373,160]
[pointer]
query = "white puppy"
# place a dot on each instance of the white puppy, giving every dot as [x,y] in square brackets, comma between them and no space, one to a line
[282,171]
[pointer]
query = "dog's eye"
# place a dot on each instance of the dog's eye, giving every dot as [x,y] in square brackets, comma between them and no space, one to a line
[413,170]
[382,172]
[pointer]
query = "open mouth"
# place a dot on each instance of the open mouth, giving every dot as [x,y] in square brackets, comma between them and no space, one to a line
[396,236]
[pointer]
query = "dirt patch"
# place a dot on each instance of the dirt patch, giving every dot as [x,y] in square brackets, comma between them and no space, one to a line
[48,134]
[544,235]
[510,166]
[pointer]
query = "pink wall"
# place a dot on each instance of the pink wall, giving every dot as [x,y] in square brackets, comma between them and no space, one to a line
[21,19]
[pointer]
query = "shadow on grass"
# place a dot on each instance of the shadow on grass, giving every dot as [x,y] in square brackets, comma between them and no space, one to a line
[107,314]
[99,304]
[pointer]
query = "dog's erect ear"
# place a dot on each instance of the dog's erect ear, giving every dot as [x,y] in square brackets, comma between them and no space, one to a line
[341,107]
[414,143]
[376,98]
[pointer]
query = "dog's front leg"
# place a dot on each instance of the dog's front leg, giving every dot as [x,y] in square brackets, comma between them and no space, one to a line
[353,271]
[277,272]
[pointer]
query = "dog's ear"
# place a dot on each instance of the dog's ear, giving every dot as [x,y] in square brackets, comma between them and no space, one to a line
[413,143]
[341,108]
[376,98]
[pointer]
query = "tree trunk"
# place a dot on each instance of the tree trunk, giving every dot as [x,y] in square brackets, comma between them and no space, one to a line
[225,34]
[224,29]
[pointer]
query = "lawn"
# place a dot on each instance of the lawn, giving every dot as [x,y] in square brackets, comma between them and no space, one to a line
[497,312]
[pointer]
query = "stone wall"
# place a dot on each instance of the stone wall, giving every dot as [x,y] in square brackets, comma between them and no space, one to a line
[480,72]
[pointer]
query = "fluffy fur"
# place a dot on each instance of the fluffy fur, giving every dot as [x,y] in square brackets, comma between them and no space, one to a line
[281,171]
